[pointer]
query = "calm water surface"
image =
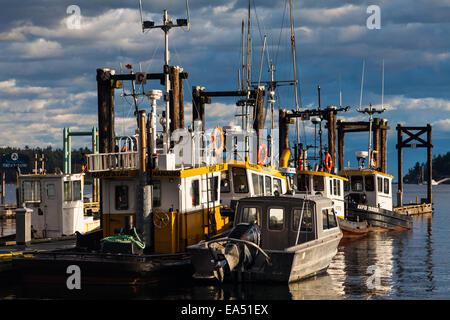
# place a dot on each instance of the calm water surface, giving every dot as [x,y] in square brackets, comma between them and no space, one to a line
[411,265]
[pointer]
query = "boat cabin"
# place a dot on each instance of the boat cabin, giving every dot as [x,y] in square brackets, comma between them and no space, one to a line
[368,187]
[185,201]
[57,204]
[244,179]
[324,184]
[279,217]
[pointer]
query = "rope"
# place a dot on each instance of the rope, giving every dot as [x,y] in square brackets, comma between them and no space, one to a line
[124,238]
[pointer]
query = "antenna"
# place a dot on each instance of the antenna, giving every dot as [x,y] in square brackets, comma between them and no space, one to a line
[362,84]
[382,89]
[340,91]
[140,11]
[187,13]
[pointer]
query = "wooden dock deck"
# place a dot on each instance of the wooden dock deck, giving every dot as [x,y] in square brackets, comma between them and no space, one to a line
[415,209]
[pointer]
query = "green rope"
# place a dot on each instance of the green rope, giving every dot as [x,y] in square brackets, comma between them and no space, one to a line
[124,238]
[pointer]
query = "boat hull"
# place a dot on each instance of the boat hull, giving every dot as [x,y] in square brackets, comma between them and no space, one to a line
[290,265]
[378,217]
[354,229]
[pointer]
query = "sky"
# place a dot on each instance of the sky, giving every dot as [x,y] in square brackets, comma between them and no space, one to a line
[49,67]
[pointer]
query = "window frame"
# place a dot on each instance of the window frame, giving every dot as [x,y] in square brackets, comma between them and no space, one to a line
[303,219]
[235,185]
[268,219]
[258,214]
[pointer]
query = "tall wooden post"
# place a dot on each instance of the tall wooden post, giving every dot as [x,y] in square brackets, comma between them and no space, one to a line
[3,186]
[341,142]
[377,145]
[399,166]
[284,131]
[142,142]
[258,113]
[383,154]
[331,125]
[181,102]
[430,165]
[105,93]
[198,105]
[175,99]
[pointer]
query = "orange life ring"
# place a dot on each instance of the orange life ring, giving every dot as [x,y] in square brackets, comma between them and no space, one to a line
[217,149]
[262,146]
[125,148]
[328,162]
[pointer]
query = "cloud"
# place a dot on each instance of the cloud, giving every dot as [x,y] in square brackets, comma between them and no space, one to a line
[37,49]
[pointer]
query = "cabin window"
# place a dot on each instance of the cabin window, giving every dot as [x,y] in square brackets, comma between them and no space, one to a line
[72,190]
[268,185]
[51,191]
[370,183]
[251,215]
[380,184]
[76,190]
[386,185]
[258,184]
[276,218]
[121,197]
[318,183]
[195,193]
[277,185]
[303,182]
[213,188]
[240,180]
[225,182]
[357,183]
[335,187]
[328,219]
[156,194]
[339,187]
[332,223]
[306,220]
[67,191]
[331,186]
[31,191]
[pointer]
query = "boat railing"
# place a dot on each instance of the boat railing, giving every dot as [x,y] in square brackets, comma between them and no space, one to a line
[113,161]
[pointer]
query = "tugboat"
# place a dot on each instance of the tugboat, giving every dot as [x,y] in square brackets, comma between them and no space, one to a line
[368,192]
[285,238]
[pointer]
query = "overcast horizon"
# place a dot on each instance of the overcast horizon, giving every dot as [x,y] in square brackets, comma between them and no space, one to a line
[49,70]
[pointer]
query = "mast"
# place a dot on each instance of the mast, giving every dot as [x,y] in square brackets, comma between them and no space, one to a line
[166,26]
[297,123]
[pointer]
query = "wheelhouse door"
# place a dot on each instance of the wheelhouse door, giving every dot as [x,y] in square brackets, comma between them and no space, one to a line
[52,205]
[275,224]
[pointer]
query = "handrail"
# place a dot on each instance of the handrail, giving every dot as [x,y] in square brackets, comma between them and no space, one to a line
[112,161]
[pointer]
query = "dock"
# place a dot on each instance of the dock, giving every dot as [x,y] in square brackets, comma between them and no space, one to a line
[414,209]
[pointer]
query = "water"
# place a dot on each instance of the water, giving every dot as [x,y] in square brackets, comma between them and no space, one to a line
[411,265]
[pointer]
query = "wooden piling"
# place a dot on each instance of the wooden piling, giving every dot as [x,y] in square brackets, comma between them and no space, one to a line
[331,126]
[429,165]
[198,105]
[175,116]
[142,142]
[383,154]
[341,143]
[399,166]
[284,131]
[258,113]
[105,93]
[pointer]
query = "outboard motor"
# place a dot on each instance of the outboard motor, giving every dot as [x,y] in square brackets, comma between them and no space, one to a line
[240,250]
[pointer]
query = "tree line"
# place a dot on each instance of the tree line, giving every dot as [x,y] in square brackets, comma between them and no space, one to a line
[53,160]
[441,169]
